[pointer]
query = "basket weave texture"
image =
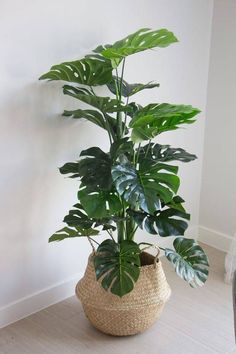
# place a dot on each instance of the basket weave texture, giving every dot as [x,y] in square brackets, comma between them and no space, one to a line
[134,312]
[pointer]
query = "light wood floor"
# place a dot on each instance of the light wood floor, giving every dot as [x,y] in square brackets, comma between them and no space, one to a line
[194,321]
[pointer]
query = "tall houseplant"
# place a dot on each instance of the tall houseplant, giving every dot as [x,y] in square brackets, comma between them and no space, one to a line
[134,184]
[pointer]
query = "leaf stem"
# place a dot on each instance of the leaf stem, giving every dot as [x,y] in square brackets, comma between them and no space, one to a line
[149,144]
[110,234]
[138,152]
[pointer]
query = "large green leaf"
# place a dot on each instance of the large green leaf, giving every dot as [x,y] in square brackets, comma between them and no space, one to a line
[157,118]
[166,222]
[128,90]
[118,265]
[98,203]
[87,71]
[138,41]
[94,170]
[104,104]
[163,153]
[146,186]
[189,260]
[78,217]
[70,232]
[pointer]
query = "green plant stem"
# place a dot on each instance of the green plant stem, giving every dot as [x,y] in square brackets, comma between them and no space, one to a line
[149,144]
[125,121]
[120,131]
[133,233]
[121,79]
[110,234]
[120,231]
[138,152]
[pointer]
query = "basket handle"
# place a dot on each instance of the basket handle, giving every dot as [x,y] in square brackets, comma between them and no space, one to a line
[156,256]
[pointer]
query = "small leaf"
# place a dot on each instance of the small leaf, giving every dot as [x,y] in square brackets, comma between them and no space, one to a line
[189,260]
[78,217]
[128,90]
[70,232]
[118,265]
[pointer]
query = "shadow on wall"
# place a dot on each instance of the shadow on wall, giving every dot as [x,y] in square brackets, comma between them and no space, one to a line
[35,141]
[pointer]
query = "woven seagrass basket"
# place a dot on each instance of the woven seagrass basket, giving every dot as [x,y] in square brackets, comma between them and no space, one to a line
[133,313]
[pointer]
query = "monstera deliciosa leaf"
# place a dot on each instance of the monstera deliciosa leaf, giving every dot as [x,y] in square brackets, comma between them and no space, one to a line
[98,203]
[164,153]
[87,71]
[117,265]
[167,222]
[146,186]
[94,170]
[155,119]
[128,90]
[138,41]
[91,115]
[189,260]
[78,217]
[104,104]
[70,232]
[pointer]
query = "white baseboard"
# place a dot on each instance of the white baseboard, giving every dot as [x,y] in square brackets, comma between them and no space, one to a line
[37,301]
[214,238]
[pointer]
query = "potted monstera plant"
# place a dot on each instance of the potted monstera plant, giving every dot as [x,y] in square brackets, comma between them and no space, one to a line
[133,185]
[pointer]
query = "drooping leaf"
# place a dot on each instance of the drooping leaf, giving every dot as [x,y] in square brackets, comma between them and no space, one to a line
[104,104]
[146,186]
[167,222]
[70,232]
[98,203]
[189,260]
[128,90]
[89,114]
[94,117]
[87,71]
[118,265]
[138,41]
[164,153]
[78,217]
[155,119]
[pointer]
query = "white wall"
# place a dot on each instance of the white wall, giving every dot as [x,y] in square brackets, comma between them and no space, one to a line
[218,196]
[35,140]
